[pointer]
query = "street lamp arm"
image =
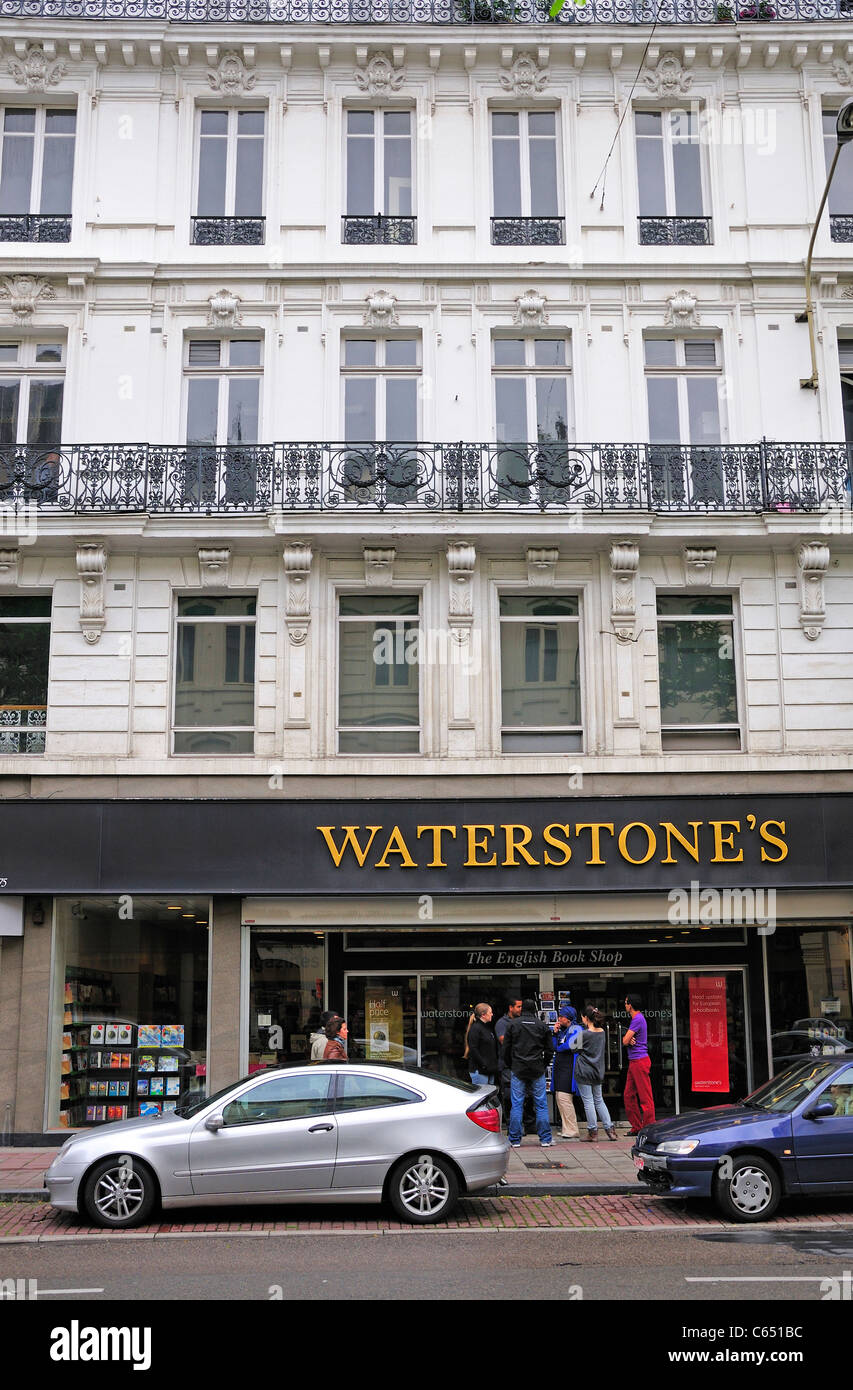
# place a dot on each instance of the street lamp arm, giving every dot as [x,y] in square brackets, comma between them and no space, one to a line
[810,383]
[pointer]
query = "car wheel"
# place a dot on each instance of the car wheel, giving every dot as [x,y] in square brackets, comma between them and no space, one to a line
[423,1188]
[752,1192]
[119,1193]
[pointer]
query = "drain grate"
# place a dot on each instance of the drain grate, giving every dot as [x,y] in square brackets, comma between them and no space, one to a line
[546,1164]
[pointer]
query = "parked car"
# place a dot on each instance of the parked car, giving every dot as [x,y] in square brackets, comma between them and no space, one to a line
[798,1045]
[820,1026]
[398,1054]
[791,1137]
[361,1132]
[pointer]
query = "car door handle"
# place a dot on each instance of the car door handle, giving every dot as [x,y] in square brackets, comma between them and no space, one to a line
[315,1129]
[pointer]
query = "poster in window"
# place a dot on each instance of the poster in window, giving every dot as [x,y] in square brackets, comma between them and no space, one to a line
[384,1018]
[709,1034]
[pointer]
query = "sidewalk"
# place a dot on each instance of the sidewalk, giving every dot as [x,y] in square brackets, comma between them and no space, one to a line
[570,1167]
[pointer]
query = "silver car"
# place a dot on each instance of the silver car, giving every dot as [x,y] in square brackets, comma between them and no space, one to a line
[346,1132]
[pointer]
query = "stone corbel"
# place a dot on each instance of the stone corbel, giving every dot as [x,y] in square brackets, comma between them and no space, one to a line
[624,563]
[297,572]
[812,564]
[379,566]
[461,561]
[541,567]
[91,568]
[9,566]
[699,564]
[213,567]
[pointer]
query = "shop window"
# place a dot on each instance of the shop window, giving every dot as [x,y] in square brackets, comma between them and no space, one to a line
[540,674]
[698,681]
[215,675]
[378,674]
[130,1008]
[286,996]
[808,973]
[24,654]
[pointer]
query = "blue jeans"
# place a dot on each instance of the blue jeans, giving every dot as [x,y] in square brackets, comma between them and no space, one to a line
[518,1090]
[593,1103]
[479,1078]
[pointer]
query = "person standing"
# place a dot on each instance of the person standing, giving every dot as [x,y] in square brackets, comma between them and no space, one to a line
[317,1039]
[566,1030]
[513,1010]
[638,1099]
[336,1036]
[481,1047]
[589,1074]
[528,1047]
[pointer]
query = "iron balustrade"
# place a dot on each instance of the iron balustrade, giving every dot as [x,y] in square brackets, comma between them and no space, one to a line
[378,230]
[441,12]
[228,231]
[528,231]
[22,728]
[841,227]
[35,226]
[207,479]
[675,231]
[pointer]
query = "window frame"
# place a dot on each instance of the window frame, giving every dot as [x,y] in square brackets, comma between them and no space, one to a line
[668,144]
[39,140]
[351,590]
[524,112]
[177,623]
[25,371]
[378,138]
[380,374]
[221,372]
[545,729]
[231,147]
[682,372]
[731,619]
[529,372]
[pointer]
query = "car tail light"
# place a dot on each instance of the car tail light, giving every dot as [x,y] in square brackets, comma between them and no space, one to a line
[487,1118]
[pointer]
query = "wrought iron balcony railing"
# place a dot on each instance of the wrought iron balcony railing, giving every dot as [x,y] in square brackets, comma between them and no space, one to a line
[444,12]
[22,728]
[378,230]
[228,231]
[35,226]
[675,231]
[206,479]
[528,231]
[841,227]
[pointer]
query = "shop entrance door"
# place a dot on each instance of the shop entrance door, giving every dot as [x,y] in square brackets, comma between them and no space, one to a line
[447,1002]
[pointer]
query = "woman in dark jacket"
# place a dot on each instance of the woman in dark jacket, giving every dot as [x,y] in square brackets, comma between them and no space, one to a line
[481,1047]
[589,1074]
[336,1032]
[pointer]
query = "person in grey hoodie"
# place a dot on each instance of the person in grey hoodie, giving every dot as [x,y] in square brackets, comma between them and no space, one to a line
[589,1073]
[318,1039]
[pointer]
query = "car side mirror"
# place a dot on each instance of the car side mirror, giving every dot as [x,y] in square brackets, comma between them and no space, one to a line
[821,1111]
[214,1122]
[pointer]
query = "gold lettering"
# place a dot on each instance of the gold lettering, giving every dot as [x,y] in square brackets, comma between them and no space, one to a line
[651,841]
[557,844]
[721,841]
[595,830]
[773,840]
[512,848]
[437,862]
[350,840]
[472,862]
[396,845]
[672,833]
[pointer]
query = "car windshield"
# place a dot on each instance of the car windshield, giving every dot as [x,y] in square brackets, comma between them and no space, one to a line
[785,1092]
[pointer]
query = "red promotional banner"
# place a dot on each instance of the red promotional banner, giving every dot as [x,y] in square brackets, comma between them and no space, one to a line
[709,1035]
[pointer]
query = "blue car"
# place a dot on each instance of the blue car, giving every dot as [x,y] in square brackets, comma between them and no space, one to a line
[793,1137]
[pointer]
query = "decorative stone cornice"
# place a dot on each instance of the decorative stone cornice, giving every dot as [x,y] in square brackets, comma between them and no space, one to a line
[699,564]
[668,78]
[379,566]
[812,564]
[530,310]
[91,569]
[542,566]
[461,559]
[681,310]
[213,566]
[224,310]
[9,566]
[525,78]
[24,293]
[231,77]
[624,564]
[35,70]
[380,310]
[379,77]
[297,570]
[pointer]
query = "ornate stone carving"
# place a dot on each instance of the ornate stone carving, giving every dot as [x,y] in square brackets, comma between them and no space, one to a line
[23,293]
[231,77]
[213,567]
[681,310]
[379,77]
[36,71]
[624,563]
[812,564]
[379,566]
[542,566]
[9,566]
[91,568]
[843,73]
[461,559]
[224,311]
[297,570]
[530,310]
[380,310]
[699,564]
[525,78]
[668,78]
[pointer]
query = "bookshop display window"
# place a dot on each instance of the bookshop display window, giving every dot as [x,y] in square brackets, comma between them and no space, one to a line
[286,996]
[808,977]
[130,1014]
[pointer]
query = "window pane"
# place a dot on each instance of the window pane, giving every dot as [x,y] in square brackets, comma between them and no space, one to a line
[359,409]
[210,694]
[383,605]
[648,123]
[359,352]
[544,201]
[663,410]
[700,352]
[650,175]
[249,191]
[699,604]
[540,683]
[9,396]
[549,352]
[378,678]
[841,188]
[509,352]
[250,122]
[703,410]
[245,352]
[9,352]
[359,122]
[242,604]
[28,606]
[511,410]
[24,651]
[44,425]
[57,171]
[688,178]
[213,155]
[204,352]
[48,352]
[506,167]
[401,409]
[243,395]
[202,410]
[186,653]
[552,411]
[16,171]
[360,191]
[368,1092]
[524,605]
[660,352]
[283,1098]
[398,172]
[401,352]
[542,123]
[697,673]
[214,122]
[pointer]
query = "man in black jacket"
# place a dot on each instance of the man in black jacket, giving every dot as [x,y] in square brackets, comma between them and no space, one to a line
[528,1047]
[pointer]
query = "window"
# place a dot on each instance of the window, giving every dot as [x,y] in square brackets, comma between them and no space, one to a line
[540,674]
[532,407]
[845,362]
[683,378]
[223,395]
[36,172]
[669,174]
[370,1093]
[32,378]
[24,652]
[379,200]
[381,381]
[698,682]
[841,188]
[378,694]
[281,1098]
[525,180]
[230,197]
[215,675]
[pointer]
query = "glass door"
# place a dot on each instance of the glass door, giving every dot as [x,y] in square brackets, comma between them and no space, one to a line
[447,1002]
[382,1016]
[713,1043]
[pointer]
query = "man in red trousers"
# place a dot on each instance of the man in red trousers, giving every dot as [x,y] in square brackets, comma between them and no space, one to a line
[638,1099]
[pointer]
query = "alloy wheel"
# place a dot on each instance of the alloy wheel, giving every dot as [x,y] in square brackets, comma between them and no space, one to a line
[119,1194]
[424,1188]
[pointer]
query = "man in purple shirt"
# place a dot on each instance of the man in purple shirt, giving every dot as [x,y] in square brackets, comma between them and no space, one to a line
[638,1100]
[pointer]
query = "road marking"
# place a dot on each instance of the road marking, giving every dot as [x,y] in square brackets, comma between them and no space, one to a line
[760,1279]
[40,1293]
